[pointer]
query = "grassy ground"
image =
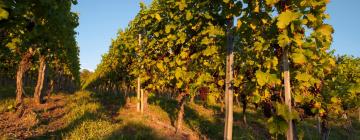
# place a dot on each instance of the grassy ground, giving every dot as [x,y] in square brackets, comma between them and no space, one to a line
[208,122]
[86,115]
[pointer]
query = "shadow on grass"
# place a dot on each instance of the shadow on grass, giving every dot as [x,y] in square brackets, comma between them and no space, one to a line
[254,130]
[109,105]
[168,105]
[60,133]
[134,131]
[110,102]
[211,128]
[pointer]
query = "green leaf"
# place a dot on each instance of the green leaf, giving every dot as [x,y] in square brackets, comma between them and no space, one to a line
[282,110]
[276,125]
[285,18]
[188,15]
[273,79]
[205,41]
[13,44]
[334,100]
[182,5]
[261,77]
[167,29]
[181,38]
[256,97]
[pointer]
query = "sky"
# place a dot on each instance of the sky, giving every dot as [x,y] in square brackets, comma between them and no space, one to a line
[100,20]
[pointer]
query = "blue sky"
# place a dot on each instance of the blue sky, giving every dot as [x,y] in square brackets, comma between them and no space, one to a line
[100,20]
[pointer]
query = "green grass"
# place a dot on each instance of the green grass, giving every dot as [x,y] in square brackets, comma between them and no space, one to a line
[89,118]
[7,98]
[134,130]
[208,122]
[93,116]
[85,119]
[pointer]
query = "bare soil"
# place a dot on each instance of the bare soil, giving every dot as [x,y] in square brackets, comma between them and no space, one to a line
[35,120]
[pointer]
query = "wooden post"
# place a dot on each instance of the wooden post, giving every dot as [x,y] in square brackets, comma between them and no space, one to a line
[359,113]
[142,101]
[138,96]
[139,84]
[285,57]
[229,93]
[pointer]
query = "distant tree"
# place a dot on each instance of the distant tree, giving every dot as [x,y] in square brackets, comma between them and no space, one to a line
[84,75]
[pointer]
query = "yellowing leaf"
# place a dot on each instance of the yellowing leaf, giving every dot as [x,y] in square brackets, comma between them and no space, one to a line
[178,73]
[160,66]
[156,34]
[283,40]
[13,44]
[271,2]
[304,77]
[238,24]
[299,58]
[210,50]
[257,7]
[221,82]
[285,18]
[168,29]
[311,17]
[298,98]
[179,84]
[158,17]
[325,30]
[3,14]
[252,26]
[298,39]
[335,100]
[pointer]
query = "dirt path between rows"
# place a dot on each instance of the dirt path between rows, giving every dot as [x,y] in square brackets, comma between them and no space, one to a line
[36,120]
